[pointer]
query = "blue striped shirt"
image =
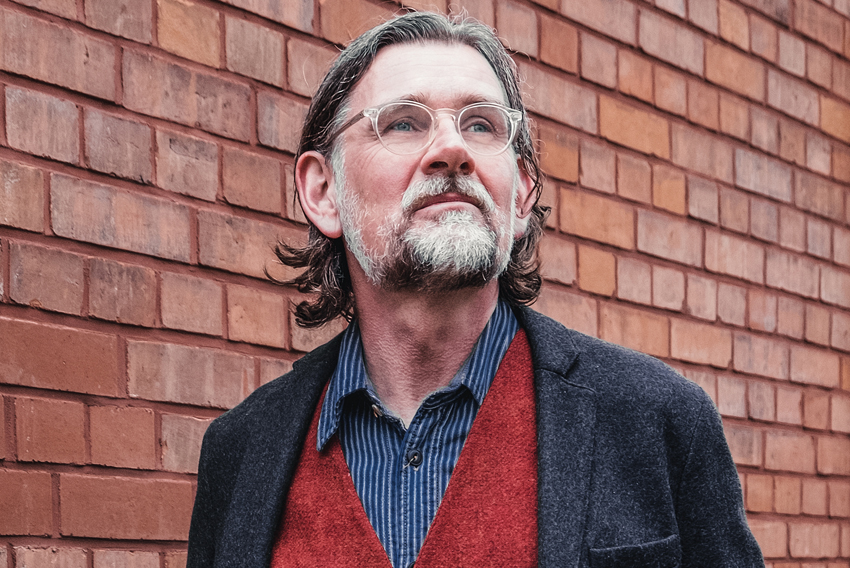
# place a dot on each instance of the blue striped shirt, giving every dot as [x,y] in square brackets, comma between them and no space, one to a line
[401,474]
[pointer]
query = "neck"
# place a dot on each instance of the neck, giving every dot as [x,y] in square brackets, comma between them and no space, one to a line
[414,343]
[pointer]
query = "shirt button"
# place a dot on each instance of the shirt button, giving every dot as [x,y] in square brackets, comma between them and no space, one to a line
[414,458]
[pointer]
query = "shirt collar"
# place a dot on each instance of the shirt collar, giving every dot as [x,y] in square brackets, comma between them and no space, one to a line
[476,373]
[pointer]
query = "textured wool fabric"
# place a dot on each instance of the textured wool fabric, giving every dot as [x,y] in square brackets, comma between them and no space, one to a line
[488,516]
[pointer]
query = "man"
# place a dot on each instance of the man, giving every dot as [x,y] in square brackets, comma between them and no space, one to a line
[450,425]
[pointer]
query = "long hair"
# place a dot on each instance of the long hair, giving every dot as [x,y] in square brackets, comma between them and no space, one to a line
[325,272]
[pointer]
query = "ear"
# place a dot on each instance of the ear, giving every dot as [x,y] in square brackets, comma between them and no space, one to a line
[524,199]
[317,192]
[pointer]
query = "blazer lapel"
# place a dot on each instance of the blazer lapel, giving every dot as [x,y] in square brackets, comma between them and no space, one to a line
[566,417]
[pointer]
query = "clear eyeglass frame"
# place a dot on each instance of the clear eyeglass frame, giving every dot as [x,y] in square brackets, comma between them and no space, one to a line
[513,119]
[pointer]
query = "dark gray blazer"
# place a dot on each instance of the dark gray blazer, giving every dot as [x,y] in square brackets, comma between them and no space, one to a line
[633,466]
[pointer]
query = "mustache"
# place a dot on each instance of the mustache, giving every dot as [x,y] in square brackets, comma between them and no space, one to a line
[420,192]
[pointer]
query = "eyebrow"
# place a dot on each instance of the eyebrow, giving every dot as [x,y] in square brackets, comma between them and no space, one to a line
[465,99]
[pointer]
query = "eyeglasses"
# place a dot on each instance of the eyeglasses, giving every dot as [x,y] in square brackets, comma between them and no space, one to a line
[406,127]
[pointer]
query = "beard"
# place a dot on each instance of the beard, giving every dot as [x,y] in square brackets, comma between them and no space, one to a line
[453,251]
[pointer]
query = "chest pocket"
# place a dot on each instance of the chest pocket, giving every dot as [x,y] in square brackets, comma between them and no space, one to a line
[665,553]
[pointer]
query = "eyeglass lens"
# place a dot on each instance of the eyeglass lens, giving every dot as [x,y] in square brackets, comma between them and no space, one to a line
[406,128]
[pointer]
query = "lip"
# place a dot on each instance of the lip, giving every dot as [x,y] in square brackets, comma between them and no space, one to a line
[450,198]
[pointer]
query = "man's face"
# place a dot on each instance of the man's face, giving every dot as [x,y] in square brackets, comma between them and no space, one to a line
[441,218]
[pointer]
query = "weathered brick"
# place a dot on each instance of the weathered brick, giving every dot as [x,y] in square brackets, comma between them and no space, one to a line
[734,116]
[596,271]
[814,366]
[256,316]
[176,559]
[702,153]
[118,146]
[671,42]
[634,75]
[759,493]
[705,380]
[30,115]
[732,396]
[343,20]
[254,51]
[835,286]
[558,260]
[731,303]
[764,41]
[122,437]
[813,540]
[792,141]
[734,210]
[280,120]
[670,90]
[819,23]
[840,78]
[779,10]
[598,167]
[788,494]
[819,238]
[792,229]
[772,537]
[80,361]
[702,297]
[21,196]
[181,442]
[100,214]
[126,18]
[122,292]
[734,256]
[765,132]
[558,43]
[745,444]
[734,25]
[702,199]
[814,497]
[700,343]
[819,66]
[762,310]
[195,99]
[50,430]
[307,63]
[191,304]
[125,508]
[818,195]
[634,280]
[792,273]
[789,406]
[668,288]
[189,30]
[46,278]
[818,153]
[125,559]
[554,97]
[669,238]
[187,165]
[840,334]
[271,369]
[251,180]
[764,220]
[729,68]
[580,216]
[789,451]
[834,455]
[792,96]
[64,8]
[635,329]
[789,320]
[189,375]
[57,54]
[598,61]
[517,26]
[308,339]
[763,175]
[760,356]
[558,152]
[297,14]
[615,18]
[53,557]
[703,13]
[572,310]
[761,397]
[841,250]
[634,179]
[816,410]
[635,128]
[839,499]
[668,189]
[792,54]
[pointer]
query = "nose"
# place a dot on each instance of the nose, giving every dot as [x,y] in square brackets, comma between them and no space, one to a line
[447,153]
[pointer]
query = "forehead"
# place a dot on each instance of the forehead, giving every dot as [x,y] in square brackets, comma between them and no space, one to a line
[437,74]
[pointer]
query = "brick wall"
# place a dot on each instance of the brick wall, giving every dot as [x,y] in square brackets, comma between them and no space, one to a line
[698,154]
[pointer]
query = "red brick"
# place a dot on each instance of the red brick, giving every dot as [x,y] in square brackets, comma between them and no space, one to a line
[734,26]
[254,51]
[125,508]
[99,214]
[668,288]
[762,311]
[729,68]
[670,91]
[818,153]
[669,238]
[841,78]
[845,540]
[181,308]
[671,42]
[789,405]
[46,278]
[790,317]
[700,343]
[792,54]
[731,303]
[343,20]
[839,499]
[572,310]
[189,30]
[30,114]
[760,356]
[732,396]
[668,188]
[122,292]
[765,133]
[598,167]
[792,229]
[634,180]
[122,437]
[256,316]
[779,10]
[772,537]
[280,121]
[834,455]
[188,375]
[816,409]
[297,14]
[819,66]
[763,175]
[50,430]
[788,495]
[763,38]
[125,18]
[764,220]
[734,116]
[615,19]
[840,405]
[517,25]
[635,329]
[598,61]
[635,128]
[702,199]
[845,373]
[789,451]
[558,153]
[581,215]
[242,245]
[792,141]
[251,180]
[308,339]
[818,23]
[176,559]
[792,97]
[117,146]
[840,334]
[745,444]
[80,361]
[813,540]
[195,99]
[53,557]
[817,324]
[734,210]
[814,497]
[702,297]
[759,495]
[271,369]
[548,198]
[634,280]
[554,97]
[761,397]
[64,8]
[558,43]
[702,153]
[703,13]
[818,195]
[181,442]
[634,75]
[57,54]
[814,366]
[835,286]
[21,196]
[737,257]
[558,260]
[125,559]
[841,250]
[187,165]
[706,381]
[792,273]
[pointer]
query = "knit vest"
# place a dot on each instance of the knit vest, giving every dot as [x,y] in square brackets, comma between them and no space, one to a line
[488,515]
